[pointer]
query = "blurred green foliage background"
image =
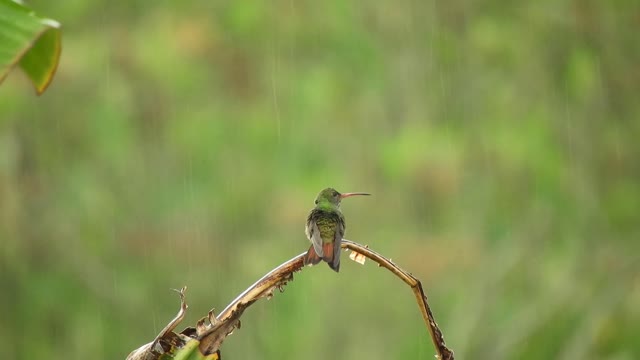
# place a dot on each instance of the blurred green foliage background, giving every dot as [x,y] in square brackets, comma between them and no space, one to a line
[183,143]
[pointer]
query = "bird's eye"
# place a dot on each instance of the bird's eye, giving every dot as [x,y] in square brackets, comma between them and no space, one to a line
[316,202]
[336,194]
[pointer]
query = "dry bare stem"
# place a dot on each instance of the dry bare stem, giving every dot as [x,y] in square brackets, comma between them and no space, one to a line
[443,352]
[211,335]
[166,339]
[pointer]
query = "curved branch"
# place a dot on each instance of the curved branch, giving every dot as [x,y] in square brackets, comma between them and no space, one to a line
[264,287]
[212,335]
[444,353]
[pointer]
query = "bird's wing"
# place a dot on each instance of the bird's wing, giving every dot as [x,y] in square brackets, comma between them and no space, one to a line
[337,242]
[313,234]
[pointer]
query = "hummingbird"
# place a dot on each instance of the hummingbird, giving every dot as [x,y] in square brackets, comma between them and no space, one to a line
[325,228]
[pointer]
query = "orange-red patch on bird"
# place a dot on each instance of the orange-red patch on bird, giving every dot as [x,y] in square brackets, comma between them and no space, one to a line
[312,257]
[327,249]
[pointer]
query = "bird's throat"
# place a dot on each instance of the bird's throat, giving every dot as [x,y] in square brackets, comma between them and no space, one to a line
[327,206]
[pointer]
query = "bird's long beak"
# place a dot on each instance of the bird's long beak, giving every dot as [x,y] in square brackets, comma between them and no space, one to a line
[346,195]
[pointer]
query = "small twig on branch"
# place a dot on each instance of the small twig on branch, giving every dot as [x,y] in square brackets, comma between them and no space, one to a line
[211,336]
[166,339]
[176,320]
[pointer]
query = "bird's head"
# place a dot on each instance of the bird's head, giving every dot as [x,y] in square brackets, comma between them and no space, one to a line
[330,197]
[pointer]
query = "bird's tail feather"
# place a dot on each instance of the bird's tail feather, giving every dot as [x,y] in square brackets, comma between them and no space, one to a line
[335,266]
[311,258]
[333,260]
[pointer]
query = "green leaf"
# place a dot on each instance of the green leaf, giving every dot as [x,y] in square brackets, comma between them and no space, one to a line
[30,41]
[191,351]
